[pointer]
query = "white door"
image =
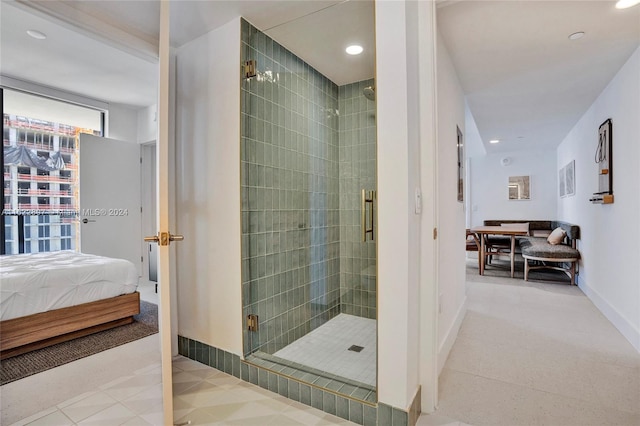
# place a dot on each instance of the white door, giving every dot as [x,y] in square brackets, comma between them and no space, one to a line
[110,198]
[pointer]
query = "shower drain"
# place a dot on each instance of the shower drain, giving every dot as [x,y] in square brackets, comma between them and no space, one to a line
[356,348]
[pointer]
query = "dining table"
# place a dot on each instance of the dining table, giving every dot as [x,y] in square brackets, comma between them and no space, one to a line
[513,230]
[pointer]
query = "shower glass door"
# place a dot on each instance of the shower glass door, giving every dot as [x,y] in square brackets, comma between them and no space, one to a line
[308,264]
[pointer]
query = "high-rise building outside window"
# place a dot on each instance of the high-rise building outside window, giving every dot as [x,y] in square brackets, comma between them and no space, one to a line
[41,181]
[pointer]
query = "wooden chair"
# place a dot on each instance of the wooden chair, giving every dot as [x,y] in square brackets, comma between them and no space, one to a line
[495,246]
[473,243]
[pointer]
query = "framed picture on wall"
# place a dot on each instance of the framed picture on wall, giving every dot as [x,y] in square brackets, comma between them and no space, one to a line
[460,146]
[567,180]
[562,186]
[570,179]
[519,187]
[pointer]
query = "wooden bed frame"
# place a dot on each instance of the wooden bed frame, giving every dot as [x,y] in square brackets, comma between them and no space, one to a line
[25,334]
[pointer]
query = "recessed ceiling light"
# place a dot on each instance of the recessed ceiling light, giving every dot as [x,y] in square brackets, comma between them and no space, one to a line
[623,4]
[37,34]
[494,141]
[577,35]
[354,49]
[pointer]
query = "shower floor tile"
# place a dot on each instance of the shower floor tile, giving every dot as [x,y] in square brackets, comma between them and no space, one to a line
[327,348]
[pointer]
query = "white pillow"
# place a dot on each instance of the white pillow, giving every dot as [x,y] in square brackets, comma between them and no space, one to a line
[557,236]
[519,226]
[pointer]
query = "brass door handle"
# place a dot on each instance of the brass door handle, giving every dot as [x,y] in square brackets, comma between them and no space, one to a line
[368,198]
[164,238]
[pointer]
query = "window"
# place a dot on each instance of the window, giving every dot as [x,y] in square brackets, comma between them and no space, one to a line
[41,186]
[44,245]
[44,231]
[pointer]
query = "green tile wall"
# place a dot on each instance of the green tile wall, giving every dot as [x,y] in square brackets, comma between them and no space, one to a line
[289,178]
[357,159]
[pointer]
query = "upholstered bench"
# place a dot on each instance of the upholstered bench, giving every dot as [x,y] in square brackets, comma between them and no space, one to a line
[538,249]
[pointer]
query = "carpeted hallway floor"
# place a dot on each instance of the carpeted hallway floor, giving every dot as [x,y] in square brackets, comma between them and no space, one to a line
[536,353]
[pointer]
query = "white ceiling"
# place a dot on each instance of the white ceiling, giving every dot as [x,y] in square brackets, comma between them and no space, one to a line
[107,50]
[526,83]
[71,61]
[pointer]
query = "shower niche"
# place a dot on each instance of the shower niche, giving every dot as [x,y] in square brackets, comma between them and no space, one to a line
[308,156]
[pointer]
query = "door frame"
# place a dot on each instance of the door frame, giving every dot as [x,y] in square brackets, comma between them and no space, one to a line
[148,187]
[165,172]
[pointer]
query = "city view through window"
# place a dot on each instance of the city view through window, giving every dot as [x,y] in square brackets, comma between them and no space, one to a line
[41,182]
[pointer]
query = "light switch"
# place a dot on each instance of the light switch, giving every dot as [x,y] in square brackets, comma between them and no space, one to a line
[418,207]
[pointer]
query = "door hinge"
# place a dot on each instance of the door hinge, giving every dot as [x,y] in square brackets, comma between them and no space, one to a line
[252,322]
[140,160]
[249,68]
[141,259]
[435,233]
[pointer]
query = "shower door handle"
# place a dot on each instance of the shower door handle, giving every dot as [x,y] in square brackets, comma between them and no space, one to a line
[367,205]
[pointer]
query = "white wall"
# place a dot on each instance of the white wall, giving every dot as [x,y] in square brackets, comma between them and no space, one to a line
[451,215]
[473,146]
[396,385]
[489,179]
[422,37]
[147,124]
[208,189]
[122,123]
[609,233]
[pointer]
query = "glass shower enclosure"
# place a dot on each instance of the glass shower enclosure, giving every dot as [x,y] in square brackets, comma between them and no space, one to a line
[308,220]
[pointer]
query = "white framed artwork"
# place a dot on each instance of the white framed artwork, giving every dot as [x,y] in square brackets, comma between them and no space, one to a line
[567,180]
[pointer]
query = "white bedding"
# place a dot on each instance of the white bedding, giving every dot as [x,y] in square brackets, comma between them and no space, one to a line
[40,282]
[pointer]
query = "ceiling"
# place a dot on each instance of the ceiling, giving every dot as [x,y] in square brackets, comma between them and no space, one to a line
[526,83]
[71,61]
[107,49]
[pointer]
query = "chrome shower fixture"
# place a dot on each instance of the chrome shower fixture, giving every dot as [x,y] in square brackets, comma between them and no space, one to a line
[370,93]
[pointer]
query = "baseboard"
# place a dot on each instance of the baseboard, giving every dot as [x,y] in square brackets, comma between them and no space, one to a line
[626,328]
[452,334]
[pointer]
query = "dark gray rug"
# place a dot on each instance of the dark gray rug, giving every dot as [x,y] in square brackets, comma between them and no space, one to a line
[20,366]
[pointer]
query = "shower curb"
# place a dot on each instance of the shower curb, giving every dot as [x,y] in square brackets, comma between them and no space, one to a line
[362,413]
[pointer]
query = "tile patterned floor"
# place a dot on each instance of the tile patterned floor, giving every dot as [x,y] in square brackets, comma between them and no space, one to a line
[326,348]
[204,395]
[135,399]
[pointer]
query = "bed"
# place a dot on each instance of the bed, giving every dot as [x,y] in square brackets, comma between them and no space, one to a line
[48,298]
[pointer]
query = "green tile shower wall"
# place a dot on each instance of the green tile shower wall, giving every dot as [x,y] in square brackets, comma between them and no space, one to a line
[290,216]
[347,408]
[357,161]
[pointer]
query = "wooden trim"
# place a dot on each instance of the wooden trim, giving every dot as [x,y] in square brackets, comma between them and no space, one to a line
[551,259]
[47,328]
[570,271]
